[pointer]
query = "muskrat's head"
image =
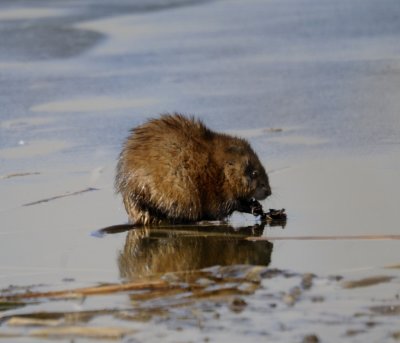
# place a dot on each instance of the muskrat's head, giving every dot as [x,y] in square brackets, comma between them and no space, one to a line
[244,174]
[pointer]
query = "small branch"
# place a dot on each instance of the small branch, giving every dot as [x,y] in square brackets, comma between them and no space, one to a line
[315,238]
[80,292]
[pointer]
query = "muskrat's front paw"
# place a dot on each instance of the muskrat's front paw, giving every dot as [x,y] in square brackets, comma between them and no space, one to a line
[256,208]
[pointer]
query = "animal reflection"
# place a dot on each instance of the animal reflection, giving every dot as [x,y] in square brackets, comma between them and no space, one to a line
[157,251]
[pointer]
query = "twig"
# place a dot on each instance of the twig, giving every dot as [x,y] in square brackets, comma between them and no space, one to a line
[314,238]
[158,284]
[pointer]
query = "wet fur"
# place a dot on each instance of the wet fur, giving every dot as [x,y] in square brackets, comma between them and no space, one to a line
[175,169]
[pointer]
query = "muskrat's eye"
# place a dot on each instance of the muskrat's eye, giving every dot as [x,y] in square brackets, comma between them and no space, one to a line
[254,174]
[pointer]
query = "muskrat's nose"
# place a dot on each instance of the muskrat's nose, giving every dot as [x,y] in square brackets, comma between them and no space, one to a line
[262,192]
[267,189]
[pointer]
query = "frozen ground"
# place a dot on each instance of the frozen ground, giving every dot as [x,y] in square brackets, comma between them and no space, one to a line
[312,84]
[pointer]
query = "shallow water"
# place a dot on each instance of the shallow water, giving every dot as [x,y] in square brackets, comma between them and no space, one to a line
[311,84]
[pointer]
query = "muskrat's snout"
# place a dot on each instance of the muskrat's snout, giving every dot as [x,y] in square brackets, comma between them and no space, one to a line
[262,191]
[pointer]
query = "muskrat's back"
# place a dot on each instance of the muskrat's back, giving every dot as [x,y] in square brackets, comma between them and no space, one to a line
[175,169]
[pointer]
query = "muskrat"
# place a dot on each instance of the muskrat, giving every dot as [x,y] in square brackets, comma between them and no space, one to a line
[174,169]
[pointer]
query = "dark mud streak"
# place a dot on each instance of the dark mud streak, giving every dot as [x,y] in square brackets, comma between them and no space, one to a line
[89,189]
[10,176]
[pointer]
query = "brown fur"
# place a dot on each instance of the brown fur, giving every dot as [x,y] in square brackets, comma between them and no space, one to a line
[175,169]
